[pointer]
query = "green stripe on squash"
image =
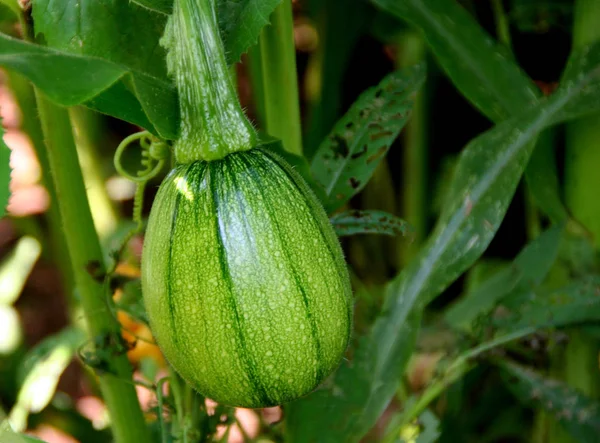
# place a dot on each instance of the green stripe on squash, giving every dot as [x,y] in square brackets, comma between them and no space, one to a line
[244,280]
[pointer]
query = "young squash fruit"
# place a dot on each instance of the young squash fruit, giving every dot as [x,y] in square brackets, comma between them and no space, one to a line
[244,281]
[243,278]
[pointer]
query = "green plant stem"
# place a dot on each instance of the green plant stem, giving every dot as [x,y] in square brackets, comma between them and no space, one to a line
[502,25]
[117,389]
[87,130]
[412,50]
[256,79]
[582,181]
[582,157]
[212,121]
[281,102]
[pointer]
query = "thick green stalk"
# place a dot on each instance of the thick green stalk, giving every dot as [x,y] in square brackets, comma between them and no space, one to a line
[582,158]
[412,50]
[582,182]
[118,392]
[280,79]
[212,121]
[87,130]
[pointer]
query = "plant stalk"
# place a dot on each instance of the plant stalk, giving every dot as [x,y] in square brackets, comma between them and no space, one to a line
[213,123]
[85,253]
[412,50]
[281,102]
[256,79]
[87,130]
[582,182]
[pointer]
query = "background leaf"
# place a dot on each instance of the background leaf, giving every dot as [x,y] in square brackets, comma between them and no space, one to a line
[485,73]
[527,271]
[577,302]
[579,415]
[69,79]
[41,369]
[369,222]
[347,158]
[484,183]
[160,6]
[479,68]
[585,60]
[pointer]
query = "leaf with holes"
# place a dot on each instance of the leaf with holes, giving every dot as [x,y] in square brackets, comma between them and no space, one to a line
[369,222]
[578,414]
[69,79]
[347,158]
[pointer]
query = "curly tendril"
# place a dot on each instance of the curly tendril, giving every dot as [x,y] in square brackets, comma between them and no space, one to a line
[154,154]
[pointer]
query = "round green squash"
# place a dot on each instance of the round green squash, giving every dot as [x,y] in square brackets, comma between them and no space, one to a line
[244,280]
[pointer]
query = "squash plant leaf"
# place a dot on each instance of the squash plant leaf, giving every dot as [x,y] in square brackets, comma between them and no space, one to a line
[240,22]
[578,414]
[527,271]
[486,177]
[574,303]
[347,158]
[4,173]
[369,222]
[119,31]
[69,79]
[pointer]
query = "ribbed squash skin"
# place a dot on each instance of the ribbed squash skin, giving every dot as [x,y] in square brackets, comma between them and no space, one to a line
[244,280]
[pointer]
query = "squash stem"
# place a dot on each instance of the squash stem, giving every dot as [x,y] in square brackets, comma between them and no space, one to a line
[277,54]
[85,253]
[213,123]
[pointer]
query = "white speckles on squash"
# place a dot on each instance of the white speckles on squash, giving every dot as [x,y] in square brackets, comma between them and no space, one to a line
[280,307]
